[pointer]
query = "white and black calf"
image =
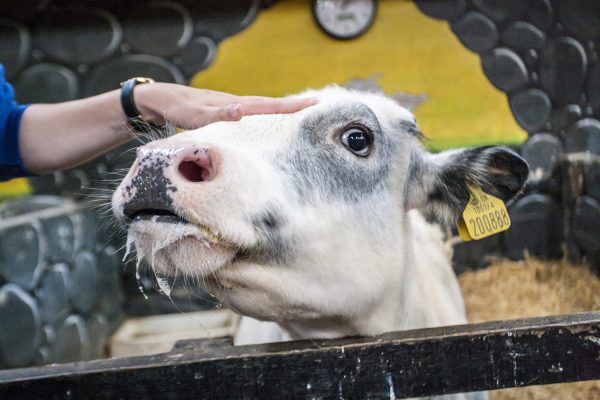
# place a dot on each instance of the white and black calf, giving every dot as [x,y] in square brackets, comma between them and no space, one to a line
[311,220]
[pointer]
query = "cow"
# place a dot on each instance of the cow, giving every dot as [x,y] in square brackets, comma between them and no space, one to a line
[313,224]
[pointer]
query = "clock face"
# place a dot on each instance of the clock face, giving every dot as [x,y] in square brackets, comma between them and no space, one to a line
[344,19]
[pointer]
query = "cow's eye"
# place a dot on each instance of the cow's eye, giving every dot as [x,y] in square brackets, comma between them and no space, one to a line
[357,141]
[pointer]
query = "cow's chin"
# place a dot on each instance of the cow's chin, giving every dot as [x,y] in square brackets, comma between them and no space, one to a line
[179,249]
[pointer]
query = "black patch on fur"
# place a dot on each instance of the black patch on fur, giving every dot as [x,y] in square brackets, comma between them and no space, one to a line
[269,221]
[319,164]
[272,246]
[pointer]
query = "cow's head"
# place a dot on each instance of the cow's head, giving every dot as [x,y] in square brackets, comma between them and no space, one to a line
[300,216]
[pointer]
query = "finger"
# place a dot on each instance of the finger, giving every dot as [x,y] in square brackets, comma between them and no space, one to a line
[206,114]
[258,99]
[221,99]
[231,112]
[198,117]
[212,98]
[276,106]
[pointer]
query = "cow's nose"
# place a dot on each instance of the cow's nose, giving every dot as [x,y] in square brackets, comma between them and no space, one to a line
[193,163]
[196,165]
[159,172]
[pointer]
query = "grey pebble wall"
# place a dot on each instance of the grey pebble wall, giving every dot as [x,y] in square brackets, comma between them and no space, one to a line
[544,55]
[60,290]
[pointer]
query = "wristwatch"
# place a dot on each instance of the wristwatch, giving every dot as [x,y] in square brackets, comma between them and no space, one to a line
[127,101]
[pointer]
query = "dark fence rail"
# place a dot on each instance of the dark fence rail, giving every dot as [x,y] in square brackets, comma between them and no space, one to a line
[396,365]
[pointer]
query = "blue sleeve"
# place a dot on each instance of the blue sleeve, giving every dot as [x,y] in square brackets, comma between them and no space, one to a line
[11,165]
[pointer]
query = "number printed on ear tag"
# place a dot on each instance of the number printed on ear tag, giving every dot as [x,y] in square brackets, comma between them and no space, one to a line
[484,215]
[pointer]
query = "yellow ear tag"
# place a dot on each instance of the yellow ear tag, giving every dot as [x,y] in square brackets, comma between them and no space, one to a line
[484,215]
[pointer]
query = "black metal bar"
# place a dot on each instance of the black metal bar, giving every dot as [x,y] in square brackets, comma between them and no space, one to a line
[395,365]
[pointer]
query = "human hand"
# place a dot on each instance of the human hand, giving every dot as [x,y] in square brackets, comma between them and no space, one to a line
[190,108]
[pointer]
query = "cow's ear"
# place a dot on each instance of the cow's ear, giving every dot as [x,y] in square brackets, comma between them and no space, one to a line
[438,184]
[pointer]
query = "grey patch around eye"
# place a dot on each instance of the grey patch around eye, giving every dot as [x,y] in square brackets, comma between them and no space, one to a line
[315,166]
[315,127]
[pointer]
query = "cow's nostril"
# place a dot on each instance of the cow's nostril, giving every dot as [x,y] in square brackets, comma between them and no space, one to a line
[195,172]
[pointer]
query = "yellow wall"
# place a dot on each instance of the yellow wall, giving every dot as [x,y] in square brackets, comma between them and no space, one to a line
[283,52]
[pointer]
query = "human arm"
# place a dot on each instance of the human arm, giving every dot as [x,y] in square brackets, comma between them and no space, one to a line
[63,135]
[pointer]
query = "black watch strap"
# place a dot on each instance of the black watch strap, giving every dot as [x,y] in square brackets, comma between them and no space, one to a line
[127,101]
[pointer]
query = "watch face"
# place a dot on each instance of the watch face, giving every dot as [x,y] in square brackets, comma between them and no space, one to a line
[344,19]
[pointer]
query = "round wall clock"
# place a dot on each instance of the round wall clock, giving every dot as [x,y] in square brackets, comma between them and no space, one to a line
[344,19]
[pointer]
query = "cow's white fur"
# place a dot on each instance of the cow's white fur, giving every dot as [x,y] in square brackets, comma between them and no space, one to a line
[359,268]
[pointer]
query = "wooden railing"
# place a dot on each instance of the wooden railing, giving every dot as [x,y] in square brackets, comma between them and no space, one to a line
[396,365]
